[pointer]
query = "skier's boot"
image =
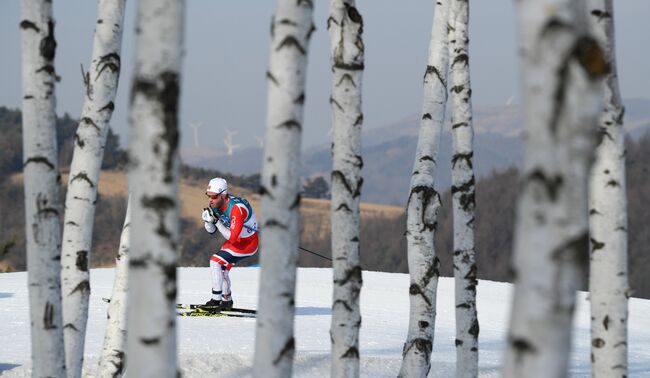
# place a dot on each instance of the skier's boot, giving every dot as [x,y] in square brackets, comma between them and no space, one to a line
[226,303]
[211,305]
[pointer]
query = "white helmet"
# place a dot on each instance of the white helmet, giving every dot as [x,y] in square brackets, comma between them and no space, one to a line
[217,186]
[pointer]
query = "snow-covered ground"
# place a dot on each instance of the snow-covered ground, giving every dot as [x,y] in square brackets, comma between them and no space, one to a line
[223,347]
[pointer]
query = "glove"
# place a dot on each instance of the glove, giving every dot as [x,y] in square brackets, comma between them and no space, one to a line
[210,227]
[207,217]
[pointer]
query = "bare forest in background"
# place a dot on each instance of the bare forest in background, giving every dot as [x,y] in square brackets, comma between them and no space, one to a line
[383,245]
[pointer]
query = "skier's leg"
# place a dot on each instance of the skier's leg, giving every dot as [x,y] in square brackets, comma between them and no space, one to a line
[217,278]
[226,282]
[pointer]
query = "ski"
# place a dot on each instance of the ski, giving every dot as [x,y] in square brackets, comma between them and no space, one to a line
[203,312]
[193,306]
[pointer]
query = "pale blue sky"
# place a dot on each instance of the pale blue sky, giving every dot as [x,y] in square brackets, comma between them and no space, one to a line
[226,59]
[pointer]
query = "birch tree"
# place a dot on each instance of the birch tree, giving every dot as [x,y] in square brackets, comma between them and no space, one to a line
[562,68]
[608,278]
[345,26]
[462,190]
[153,182]
[112,360]
[291,29]
[101,86]
[423,204]
[42,180]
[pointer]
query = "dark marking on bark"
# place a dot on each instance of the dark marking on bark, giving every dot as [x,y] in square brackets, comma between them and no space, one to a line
[72,223]
[423,325]
[467,157]
[334,102]
[474,329]
[274,180]
[356,192]
[598,342]
[265,192]
[602,133]
[292,123]
[359,120]
[458,342]
[164,90]
[110,62]
[434,70]
[270,76]
[160,205]
[591,57]
[110,107]
[596,245]
[275,223]
[47,47]
[575,250]
[346,77]
[82,287]
[89,121]
[300,99]
[39,160]
[71,326]
[429,196]
[28,97]
[461,58]
[457,88]
[353,274]
[459,124]
[427,116]
[415,289]
[594,212]
[551,184]
[606,322]
[84,177]
[343,303]
[48,316]
[291,41]
[150,341]
[331,20]
[352,352]
[613,183]
[522,346]
[81,262]
[601,15]
[296,202]
[24,24]
[344,207]
[426,157]
[287,351]
[119,363]
[464,305]
[169,270]
[80,142]
[311,31]
[48,68]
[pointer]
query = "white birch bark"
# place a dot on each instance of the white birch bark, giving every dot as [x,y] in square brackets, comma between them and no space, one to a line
[112,361]
[423,205]
[291,29]
[153,182]
[608,279]
[462,189]
[562,68]
[345,26]
[42,180]
[101,87]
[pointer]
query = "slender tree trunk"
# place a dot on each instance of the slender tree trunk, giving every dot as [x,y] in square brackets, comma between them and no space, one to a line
[101,87]
[423,205]
[153,182]
[345,26]
[291,29]
[42,180]
[112,360]
[608,279]
[562,68]
[462,189]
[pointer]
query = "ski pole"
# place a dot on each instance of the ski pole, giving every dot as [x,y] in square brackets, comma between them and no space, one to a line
[314,253]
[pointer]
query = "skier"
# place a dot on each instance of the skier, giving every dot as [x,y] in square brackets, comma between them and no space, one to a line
[236,221]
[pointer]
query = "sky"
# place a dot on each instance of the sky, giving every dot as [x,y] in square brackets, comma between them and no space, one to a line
[224,347]
[227,53]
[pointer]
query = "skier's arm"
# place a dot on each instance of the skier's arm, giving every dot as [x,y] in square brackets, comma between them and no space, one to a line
[237,216]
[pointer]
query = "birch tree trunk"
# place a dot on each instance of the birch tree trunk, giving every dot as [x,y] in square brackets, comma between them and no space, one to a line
[101,87]
[112,360]
[462,189]
[562,68]
[608,279]
[291,29]
[42,180]
[423,205]
[345,26]
[153,182]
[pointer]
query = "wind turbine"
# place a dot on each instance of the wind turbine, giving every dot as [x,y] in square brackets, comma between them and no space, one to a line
[195,127]
[230,146]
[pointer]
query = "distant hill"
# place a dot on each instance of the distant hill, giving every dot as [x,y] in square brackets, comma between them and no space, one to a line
[389,150]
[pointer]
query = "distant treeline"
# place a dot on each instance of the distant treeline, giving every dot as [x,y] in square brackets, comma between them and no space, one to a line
[383,245]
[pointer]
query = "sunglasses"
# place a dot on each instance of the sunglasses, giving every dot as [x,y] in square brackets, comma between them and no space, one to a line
[213,196]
